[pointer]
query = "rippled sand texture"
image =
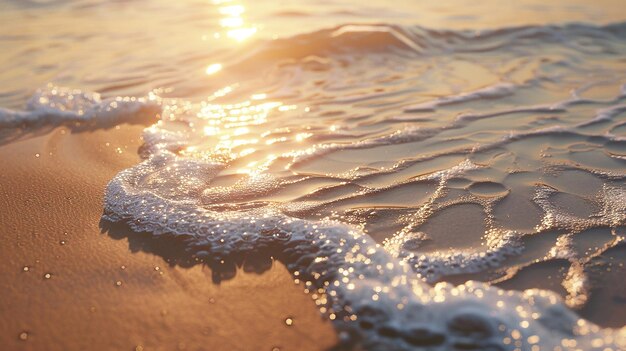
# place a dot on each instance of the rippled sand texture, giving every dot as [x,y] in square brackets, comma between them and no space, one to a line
[384,165]
[492,158]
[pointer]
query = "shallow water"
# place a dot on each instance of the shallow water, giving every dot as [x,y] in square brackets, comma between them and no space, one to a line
[423,145]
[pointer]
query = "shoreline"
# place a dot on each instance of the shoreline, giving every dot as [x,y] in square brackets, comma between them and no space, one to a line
[51,226]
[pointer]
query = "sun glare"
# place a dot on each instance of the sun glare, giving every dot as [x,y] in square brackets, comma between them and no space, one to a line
[213,68]
[234,23]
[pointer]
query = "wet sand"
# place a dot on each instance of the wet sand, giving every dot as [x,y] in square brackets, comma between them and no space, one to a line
[106,293]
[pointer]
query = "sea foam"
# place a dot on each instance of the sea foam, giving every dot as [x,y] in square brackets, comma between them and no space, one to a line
[375,297]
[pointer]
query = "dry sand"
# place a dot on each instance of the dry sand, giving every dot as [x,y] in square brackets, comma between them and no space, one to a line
[51,207]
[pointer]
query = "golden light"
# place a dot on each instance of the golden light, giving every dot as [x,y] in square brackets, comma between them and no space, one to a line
[233,10]
[284,108]
[259,97]
[234,22]
[241,131]
[302,136]
[213,68]
[231,22]
[209,131]
[241,34]
[236,129]
[275,140]
[247,151]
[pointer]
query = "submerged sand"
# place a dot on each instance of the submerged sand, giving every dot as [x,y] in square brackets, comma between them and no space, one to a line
[106,293]
[71,281]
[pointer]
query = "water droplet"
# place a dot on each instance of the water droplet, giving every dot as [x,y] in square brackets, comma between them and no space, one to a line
[123,267]
[118,283]
[36,155]
[26,268]
[62,242]
[157,268]
[289,321]
[47,275]
[23,336]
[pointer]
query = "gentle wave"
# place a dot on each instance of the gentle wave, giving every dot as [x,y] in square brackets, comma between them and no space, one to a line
[393,39]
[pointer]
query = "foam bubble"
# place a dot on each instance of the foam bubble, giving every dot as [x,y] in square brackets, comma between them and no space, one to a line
[54,105]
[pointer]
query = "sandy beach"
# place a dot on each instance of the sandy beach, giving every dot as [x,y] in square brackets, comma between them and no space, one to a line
[103,294]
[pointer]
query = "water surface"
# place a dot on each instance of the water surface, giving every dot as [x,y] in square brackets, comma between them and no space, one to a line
[375,150]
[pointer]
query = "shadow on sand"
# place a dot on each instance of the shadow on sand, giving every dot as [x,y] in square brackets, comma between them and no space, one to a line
[174,249]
